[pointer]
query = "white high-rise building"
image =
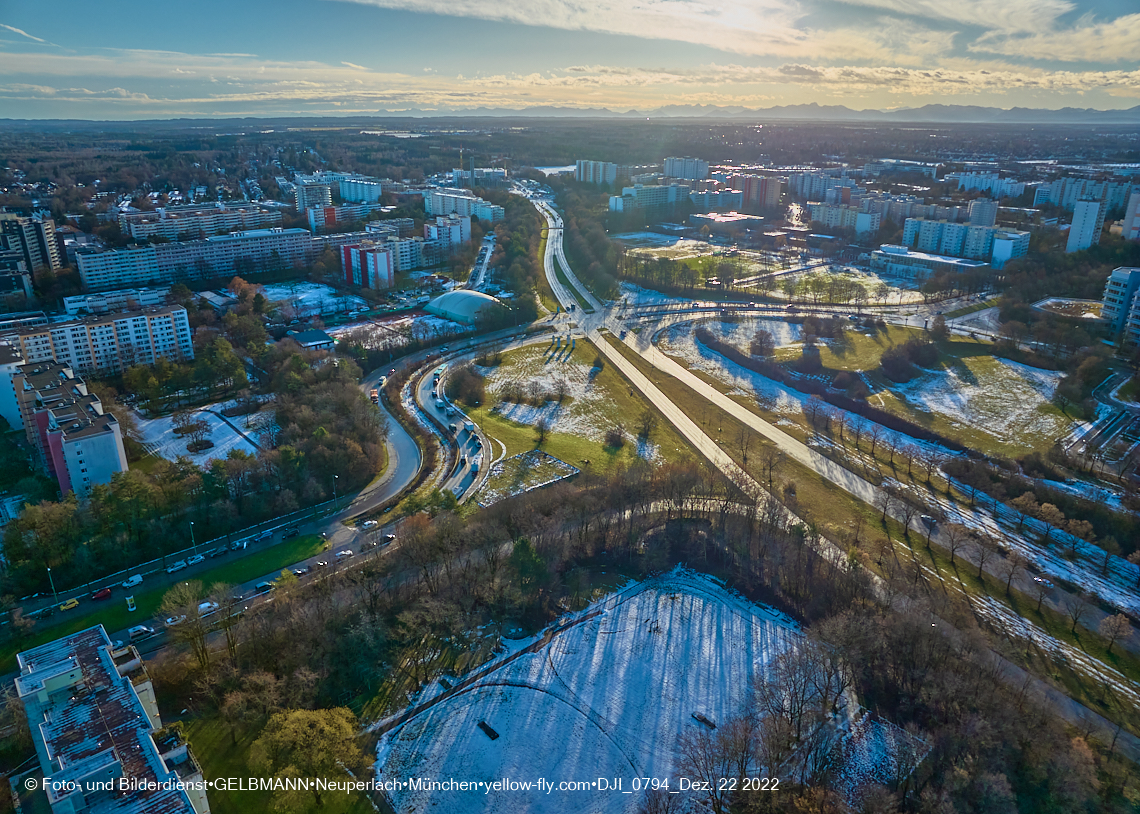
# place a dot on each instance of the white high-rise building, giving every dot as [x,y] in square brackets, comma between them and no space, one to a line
[690,169]
[308,196]
[1132,217]
[983,212]
[1088,220]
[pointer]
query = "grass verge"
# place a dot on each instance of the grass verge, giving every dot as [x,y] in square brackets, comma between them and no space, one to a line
[113,613]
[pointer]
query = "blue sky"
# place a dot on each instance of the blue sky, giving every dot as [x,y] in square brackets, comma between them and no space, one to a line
[128,60]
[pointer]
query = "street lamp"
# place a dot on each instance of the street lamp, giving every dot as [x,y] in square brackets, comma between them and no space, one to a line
[336,504]
[52,581]
[193,545]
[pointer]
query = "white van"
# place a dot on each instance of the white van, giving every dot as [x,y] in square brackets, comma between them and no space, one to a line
[140,632]
[133,581]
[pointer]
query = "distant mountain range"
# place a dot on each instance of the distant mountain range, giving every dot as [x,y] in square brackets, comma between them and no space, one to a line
[954,114]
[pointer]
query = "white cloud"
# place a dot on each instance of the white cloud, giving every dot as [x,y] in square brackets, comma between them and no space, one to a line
[23,33]
[1087,41]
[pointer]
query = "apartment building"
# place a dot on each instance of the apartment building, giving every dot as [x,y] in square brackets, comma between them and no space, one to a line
[846,217]
[74,440]
[717,200]
[34,238]
[988,182]
[108,344]
[97,731]
[195,221]
[655,201]
[606,172]
[759,191]
[371,264]
[307,195]
[461,202]
[1067,192]
[108,302]
[1120,298]
[688,169]
[450,231]
[983,212]
[1088,221]
[327,217]
[1131,230]
[955,239]
[363,190]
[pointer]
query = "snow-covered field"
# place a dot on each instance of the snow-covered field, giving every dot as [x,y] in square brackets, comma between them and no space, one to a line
[307,299]
[588,412]
[521,473]
[1004,399]
[606,698]
[395,332]
[159,438]
[636,295]
[679,341]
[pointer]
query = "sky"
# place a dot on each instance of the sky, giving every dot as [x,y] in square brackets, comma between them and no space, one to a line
[121,59]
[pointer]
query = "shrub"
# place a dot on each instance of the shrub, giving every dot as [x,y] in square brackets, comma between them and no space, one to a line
[615,437]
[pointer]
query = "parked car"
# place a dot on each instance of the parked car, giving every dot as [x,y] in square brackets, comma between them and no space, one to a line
[69,604]
[265,535]
[369,524]
[368,545]
[322,563]
[175,621]
[197,558]
[219,551]
[340,555]
[238,545]
[131,582]
[175,566]
[300,572]
[389,538]
[207,607]
[104,593]
[293,532]
[264,587]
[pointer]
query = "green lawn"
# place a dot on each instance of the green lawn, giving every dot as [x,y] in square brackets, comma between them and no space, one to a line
[614,402]
[113,613]
[1131,390]
[583,303]
[212,741]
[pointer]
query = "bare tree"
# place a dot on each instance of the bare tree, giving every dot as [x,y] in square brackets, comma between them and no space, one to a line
[955,536]
[875,433]
[984,550]
[1041,590]
[1013,565]
[744,442]
[1075,608]
[704,757]
[541,430]
[885,501]
[1114,628]
[561,389]
[769,461]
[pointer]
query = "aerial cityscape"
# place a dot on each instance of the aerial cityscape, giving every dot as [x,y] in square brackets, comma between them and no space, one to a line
[667,408]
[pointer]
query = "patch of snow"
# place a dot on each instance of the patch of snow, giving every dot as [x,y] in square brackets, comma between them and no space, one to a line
[307,299]
[607,697]
[158,437]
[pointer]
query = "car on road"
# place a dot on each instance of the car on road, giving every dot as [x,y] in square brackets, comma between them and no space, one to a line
[139,632]
[207,607]
[392,372]
[175,621]
[197,558]
[929,521]
[219,551]
[238,545]
[131,582]
[1043,581]
[322,563]
[104,593]
[369,524]
[293,532]
[300,572]
[175,566]
[340,555]
[368,545]
[389,538]
[69,604]
[264,587]
[265,535]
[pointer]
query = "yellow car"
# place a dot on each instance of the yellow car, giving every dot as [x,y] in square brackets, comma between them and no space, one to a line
[69,604]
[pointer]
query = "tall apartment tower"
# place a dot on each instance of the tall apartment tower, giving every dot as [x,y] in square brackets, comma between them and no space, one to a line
[1088,220]
[690,169]
[34,238]
[309,196]
[1132,217]
[983,212]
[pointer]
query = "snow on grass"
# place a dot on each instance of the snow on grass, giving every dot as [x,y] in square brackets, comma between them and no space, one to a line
[635,295]
[874,751]
[679,342]
[607,697]
[313,298]
[159,438]
[395,332]
[521,473]
[588,412]
[1007,400]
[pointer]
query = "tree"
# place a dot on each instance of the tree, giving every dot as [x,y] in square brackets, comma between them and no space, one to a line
[1114,628]
[182,606]
[955,536]
[1013,565]
[647,423]
[541,430]
[984,550]
[306,743]
[763,344]
[1075,607]
[529,567]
